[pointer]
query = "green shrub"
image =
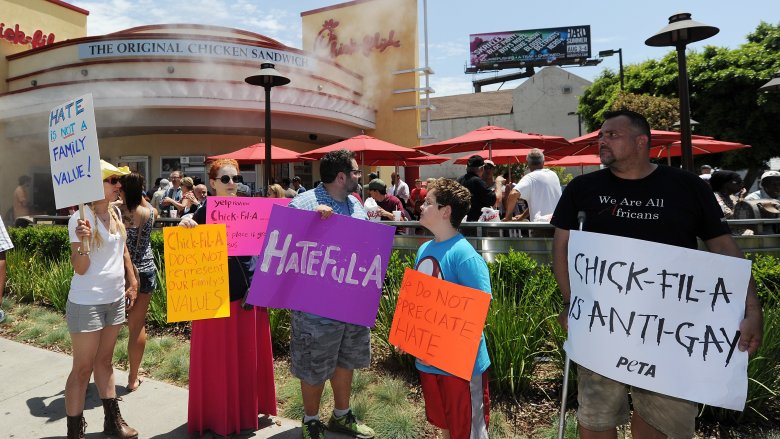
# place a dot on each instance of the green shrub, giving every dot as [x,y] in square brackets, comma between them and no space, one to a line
[380,334]
[48,242]
[517,330]
[39,279]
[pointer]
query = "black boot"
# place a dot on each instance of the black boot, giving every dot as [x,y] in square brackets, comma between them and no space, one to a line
[114,425]
[76,427]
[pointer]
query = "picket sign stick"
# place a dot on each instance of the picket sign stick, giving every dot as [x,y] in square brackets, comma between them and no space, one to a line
[565,390]
[84,244]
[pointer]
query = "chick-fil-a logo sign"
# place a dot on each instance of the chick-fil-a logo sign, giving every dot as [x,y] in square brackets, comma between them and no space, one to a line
[14,35]
[328,39]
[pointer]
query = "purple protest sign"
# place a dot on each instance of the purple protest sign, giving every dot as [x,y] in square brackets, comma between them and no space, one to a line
[246,219]
[332,268]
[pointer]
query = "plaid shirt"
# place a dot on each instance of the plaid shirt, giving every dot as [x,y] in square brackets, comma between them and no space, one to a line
[309,200]
[5,240]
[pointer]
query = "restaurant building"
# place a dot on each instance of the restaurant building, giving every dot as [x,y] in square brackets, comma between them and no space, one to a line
[169,95]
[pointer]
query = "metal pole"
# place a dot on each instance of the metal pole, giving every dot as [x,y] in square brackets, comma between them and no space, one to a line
[565,390]
[620,60]
[579,122]
[267,168]
[685,110]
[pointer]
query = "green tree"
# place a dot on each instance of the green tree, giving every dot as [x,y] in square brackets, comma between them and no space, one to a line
[724,95]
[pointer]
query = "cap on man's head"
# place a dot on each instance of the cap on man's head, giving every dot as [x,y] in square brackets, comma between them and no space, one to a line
[377,185]
[489,163]
[296,178]
[705,167]
[476,161]
[770,174]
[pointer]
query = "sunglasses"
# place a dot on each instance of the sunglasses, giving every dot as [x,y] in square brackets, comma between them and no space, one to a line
[225,179]
[111,180]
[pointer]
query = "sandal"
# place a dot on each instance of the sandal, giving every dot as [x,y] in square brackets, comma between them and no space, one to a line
[137,380]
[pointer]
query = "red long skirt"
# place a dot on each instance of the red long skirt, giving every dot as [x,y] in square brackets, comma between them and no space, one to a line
[231,372]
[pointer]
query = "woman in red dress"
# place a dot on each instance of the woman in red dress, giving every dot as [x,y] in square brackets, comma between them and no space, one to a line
[231,362]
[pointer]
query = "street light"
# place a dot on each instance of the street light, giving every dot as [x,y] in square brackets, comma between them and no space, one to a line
[680,31]
[579,122]
[773,85]
[268,79]
[604,53]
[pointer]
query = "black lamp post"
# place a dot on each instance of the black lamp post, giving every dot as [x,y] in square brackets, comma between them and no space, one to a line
[268,79]
[604,53]
[680,31]
[579,122]
[773,85]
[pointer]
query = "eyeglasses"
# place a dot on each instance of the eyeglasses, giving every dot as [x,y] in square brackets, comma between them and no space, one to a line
[175,178]
[111,180]
[428,202]
[357,172]
[225,179]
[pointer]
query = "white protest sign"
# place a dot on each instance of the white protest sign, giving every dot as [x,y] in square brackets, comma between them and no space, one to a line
[659,317]
[74,153]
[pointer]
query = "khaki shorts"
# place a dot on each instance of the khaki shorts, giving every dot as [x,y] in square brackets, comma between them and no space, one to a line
[89,318]
[604,405]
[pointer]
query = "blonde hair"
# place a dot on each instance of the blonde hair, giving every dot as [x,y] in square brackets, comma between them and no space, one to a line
[275,191]
[97,239]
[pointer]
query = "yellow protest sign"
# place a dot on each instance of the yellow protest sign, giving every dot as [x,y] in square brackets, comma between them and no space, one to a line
[196,272]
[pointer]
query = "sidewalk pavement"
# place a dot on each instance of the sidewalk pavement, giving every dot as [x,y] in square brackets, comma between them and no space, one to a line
[32,402]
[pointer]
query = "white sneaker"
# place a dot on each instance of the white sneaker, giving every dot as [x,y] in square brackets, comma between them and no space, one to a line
[2,316]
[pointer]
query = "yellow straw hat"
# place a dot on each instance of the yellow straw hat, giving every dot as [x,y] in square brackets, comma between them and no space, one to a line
[109,170]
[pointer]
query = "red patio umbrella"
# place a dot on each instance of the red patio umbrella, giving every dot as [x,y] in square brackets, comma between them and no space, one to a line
[255,154]
[500,157]
[589,143]
[494,138]
[368,149]
[576,160]
[700,146]
[424,160]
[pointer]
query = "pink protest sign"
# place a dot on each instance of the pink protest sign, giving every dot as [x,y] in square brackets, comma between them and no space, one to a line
[332,268]
[246,219]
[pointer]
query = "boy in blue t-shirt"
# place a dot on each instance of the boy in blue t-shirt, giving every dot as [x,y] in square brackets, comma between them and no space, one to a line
[460,408]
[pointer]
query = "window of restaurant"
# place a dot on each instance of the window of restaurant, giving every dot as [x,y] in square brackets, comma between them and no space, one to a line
[139,164]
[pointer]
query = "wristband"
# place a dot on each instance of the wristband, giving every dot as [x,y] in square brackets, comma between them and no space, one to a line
[81,253]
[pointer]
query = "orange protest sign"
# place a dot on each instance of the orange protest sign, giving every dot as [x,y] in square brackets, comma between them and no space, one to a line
[196,272]
[439,322]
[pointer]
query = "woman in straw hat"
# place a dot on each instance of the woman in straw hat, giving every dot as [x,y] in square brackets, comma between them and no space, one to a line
[98,297]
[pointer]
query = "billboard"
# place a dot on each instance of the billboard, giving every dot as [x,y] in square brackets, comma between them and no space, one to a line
[536,47]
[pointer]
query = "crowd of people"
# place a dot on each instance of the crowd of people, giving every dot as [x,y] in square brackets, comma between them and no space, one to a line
[231,378]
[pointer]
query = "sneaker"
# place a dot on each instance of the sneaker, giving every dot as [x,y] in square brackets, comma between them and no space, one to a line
[314,429]
[2,316]
[349,424]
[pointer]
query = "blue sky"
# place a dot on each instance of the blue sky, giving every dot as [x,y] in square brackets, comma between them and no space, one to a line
[614,24]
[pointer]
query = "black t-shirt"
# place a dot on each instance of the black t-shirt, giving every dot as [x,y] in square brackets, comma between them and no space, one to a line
[240,268]
[669,206]
[481,195]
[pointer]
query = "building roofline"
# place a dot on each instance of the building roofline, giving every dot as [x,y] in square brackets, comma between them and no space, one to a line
[69,6]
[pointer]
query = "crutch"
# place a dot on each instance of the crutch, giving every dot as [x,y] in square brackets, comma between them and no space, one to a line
[565,391]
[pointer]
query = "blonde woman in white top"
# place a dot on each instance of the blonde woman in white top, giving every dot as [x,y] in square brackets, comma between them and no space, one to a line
[98,298]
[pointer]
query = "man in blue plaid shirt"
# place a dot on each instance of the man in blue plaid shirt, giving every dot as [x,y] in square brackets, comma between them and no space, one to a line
[323,349]
[5,245]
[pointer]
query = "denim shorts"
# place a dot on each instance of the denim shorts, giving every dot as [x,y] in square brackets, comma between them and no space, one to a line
[89,318]
[318,345]
[603,405]
[147,282]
